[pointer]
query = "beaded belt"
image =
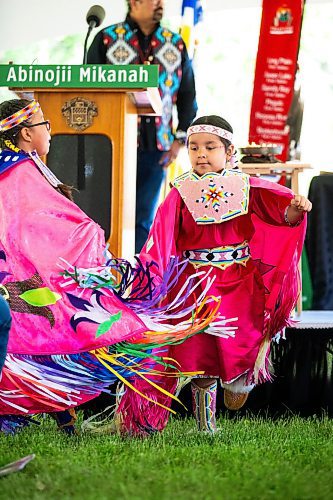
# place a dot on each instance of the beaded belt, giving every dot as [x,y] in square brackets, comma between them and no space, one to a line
[221,257]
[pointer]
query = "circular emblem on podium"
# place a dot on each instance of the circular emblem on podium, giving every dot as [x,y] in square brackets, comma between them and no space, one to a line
[79,113]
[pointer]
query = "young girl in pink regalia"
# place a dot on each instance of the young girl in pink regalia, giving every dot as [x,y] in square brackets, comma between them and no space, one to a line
[66,343]
[248,234]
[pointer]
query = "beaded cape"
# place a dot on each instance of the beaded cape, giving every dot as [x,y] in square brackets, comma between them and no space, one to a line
[214,197]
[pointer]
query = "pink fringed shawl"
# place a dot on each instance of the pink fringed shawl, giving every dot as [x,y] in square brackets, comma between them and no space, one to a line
[276,250]
[37,227]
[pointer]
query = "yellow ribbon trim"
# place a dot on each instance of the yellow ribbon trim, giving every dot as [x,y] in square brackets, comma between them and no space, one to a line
[128,384]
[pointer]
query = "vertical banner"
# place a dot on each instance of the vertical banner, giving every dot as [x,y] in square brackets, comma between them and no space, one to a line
[273,87]
[192,16]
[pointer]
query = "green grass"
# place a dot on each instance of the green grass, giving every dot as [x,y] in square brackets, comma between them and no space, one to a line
[251,458]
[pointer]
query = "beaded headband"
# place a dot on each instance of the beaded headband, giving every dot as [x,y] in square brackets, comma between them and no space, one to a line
[210,129]
[20,116]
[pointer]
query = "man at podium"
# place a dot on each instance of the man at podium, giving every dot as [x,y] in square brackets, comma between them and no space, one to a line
[141,39]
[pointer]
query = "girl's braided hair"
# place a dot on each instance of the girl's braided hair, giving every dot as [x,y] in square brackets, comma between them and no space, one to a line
[8,108]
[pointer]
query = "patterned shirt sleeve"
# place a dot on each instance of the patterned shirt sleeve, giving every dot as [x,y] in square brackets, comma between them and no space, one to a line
[186,98]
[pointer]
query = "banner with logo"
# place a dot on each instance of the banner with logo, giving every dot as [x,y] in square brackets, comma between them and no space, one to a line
[275,72]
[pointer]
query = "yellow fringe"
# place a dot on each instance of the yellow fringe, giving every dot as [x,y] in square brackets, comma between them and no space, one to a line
[260,364]
[128,384]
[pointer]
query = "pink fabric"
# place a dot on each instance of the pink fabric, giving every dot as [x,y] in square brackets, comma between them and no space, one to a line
[142,416]
[251,293]
[38,226]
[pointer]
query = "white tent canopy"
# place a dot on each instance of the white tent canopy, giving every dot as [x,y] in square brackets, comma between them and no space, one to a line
[27,22]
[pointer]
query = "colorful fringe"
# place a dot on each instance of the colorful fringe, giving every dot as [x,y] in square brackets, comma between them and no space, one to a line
[10,424]
[137,290]
[58,382]
[54,383]
[142,416]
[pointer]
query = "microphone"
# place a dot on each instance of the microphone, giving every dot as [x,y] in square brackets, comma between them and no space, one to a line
[95,17]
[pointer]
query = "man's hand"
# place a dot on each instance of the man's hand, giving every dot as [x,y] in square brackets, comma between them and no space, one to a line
[170,156]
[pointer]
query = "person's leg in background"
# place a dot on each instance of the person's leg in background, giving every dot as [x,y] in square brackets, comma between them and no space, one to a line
[150,176]
[5,323]
[65,420]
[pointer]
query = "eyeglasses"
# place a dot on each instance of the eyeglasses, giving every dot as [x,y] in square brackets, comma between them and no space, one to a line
[46,123]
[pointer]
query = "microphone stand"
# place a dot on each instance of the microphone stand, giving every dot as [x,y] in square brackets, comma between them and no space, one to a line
[86,42]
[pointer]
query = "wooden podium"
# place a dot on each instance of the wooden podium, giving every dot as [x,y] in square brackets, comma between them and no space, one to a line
[110,113]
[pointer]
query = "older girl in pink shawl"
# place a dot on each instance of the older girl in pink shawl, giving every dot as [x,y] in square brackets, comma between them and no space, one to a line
[38,226]
[66,344]
[248,234]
